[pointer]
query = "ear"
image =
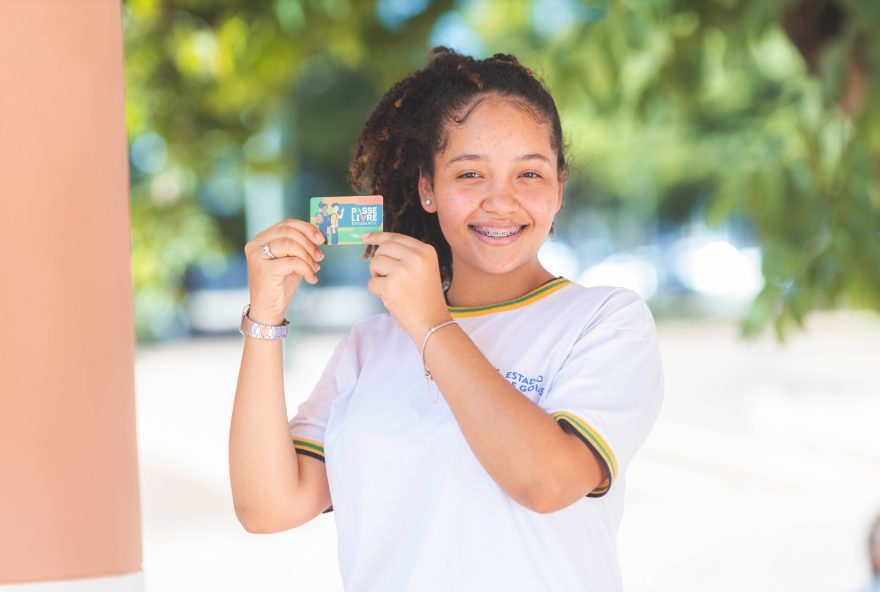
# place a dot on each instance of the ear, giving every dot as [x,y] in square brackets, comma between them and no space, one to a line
[426,191]
[559,195]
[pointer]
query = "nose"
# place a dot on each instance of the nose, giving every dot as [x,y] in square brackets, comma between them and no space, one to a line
[501,200]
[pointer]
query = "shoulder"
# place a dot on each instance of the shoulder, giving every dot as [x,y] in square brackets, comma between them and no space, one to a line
[381,322]
[610,307]
[380,327]
[363,337]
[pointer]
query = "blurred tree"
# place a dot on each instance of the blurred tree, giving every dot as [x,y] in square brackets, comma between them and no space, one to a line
[207,105]
[767,110]
[763,110]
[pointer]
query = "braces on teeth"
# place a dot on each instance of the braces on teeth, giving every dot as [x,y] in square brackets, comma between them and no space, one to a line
[497,233]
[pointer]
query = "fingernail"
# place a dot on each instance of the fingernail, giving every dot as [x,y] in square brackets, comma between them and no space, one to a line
[319,237]
[366,234]
[319,255]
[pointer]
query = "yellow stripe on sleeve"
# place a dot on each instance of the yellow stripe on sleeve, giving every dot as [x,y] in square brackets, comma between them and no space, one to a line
[597,443]
[309,447]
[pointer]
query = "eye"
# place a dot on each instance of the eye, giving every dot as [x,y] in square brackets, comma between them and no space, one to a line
[469,175]
[531,175]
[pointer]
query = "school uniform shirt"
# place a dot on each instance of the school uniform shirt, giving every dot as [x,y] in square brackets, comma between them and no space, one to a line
[414,508]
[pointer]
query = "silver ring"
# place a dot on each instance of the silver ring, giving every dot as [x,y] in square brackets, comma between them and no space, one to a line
[269,253]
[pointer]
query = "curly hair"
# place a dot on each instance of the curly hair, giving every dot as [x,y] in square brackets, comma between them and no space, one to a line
[407,128]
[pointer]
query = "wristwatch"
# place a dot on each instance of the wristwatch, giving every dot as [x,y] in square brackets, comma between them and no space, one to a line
[252,329]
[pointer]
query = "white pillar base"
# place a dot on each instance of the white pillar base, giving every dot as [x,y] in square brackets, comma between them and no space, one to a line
[127,583]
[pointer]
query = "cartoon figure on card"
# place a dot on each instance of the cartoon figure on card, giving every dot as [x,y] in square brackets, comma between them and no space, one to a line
[322,218]
[335,212]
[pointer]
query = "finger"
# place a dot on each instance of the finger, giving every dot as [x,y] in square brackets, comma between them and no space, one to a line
[307,228]
[287,246]
[377,285]
[383,266]
[284,266]
[276,232]
[309,231]
[282,234]
[378,238]
[395,250]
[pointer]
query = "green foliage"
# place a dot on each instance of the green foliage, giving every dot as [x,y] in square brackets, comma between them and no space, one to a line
[213,79]
[671,107]
[668,102]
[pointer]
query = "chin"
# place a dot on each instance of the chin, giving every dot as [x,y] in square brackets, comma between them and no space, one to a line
[496,270]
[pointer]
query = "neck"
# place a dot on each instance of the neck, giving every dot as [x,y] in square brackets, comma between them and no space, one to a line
[492,289]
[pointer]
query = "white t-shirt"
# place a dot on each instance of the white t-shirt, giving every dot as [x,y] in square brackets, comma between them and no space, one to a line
[414,508]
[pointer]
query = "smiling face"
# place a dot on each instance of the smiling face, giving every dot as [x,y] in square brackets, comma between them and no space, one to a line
[496,189]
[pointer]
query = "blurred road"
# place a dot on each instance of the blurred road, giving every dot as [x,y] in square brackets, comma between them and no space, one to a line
[762,473]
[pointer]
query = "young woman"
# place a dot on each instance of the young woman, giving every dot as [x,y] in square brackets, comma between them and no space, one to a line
[475,436]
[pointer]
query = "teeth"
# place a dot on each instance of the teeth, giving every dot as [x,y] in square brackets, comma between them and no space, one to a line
[496,233]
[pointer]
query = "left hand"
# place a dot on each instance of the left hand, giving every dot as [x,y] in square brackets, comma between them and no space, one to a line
[406,277]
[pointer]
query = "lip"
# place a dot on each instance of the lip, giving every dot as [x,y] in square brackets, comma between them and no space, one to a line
[499,241]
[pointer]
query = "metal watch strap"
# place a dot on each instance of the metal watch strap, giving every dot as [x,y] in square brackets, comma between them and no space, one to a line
[251,329]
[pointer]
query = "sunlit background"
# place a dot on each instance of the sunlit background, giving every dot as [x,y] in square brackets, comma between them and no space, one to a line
[725,167]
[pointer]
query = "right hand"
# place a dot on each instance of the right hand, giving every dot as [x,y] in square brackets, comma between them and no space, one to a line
[273,282]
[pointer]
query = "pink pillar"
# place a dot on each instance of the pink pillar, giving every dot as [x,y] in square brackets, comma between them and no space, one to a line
[69,493]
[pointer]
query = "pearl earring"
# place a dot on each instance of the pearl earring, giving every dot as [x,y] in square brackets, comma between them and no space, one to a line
[428,202]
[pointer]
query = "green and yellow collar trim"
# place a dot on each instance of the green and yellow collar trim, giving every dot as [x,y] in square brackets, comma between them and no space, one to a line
[540,292]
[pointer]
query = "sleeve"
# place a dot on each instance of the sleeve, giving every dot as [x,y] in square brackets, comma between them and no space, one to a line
[308,424]
[609,388]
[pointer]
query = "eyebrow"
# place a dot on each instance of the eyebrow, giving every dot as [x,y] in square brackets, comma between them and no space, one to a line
[469,156]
